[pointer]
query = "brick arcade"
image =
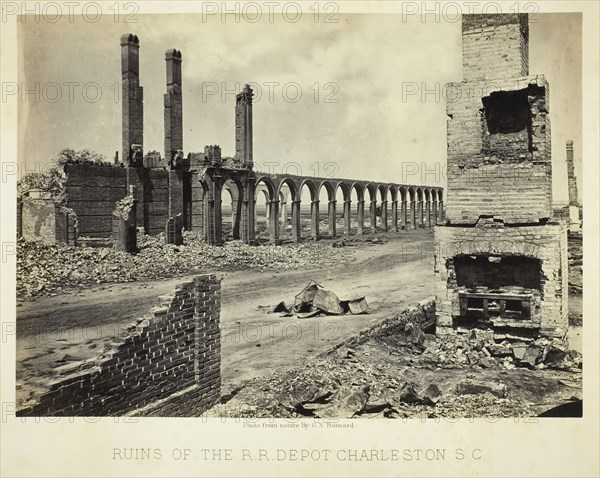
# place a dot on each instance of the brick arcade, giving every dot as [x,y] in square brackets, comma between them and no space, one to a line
[501,259]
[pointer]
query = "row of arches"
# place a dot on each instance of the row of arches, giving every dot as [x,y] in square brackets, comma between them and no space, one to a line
[296,208]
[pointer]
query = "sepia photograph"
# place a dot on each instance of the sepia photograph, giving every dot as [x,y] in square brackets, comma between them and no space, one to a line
[322,217]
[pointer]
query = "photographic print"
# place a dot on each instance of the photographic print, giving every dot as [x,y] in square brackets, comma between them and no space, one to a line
[298,217]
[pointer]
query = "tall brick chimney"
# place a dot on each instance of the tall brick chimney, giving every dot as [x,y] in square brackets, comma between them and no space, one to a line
[133,105]
[173,106]
[243,126]
[573,196]
[500,261]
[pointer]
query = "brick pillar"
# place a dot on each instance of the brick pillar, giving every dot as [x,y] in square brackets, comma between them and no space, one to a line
[395,216]
[274,221]
[132,97]
[249,216]
[243,126]
[314,219]
[435,212]
[373,213]
[296,234]
[331,217]
[572,180]
[403,214]
[441,211]
[413,214]
[360,220]
[419,222]
[348,216]
[173,103]
[428,213]
[384,218]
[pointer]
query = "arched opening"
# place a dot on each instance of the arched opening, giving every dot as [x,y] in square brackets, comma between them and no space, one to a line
[343,212]
[309,210]
[440,205]
[372,208]
[357,209]
[288,211]
[327,209]
[419,221]
[426,208]
[434,207]
[383,212]
[231,211]
[403,208]
[412,208]
[393,207]
[263,210]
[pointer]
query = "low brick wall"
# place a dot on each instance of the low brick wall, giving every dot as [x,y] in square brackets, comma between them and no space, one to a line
[421,316]
[168,365]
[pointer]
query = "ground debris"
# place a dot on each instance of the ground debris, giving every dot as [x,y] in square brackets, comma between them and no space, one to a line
[42,269]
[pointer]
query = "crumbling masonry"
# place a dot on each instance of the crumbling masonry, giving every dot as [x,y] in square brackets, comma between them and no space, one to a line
[185,191]
[501,262]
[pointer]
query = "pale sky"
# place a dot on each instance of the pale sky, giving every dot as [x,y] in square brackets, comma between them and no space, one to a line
[365,62]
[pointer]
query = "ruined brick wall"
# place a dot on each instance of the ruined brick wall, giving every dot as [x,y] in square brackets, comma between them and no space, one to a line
[173,353]
[546,243]
[92,191]
[156,197]
[39,220]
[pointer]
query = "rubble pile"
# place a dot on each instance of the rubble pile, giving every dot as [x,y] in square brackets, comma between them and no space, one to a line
[458,351]
[344,387]
[47,269]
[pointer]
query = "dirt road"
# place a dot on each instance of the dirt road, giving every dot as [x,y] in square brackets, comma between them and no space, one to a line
[51,331]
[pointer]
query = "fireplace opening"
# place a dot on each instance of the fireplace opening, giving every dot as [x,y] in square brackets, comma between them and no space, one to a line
[496,273]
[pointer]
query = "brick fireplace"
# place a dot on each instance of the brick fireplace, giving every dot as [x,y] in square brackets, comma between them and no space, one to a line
[501,262]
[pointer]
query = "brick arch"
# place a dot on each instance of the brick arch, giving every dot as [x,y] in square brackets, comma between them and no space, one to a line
[268,182]
[440,194]
[427,195]
[393,189]
[372,191]
[412,195]
[329,188]
[236,191]
[314,192]
[360,191]
[403,193]
[419,194]
[433,195]
[346,190]
[383,191]
[294,191]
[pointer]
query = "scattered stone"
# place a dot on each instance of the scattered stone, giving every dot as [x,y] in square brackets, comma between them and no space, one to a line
[554,356]
[532,356]
[471,387]
[519,351]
